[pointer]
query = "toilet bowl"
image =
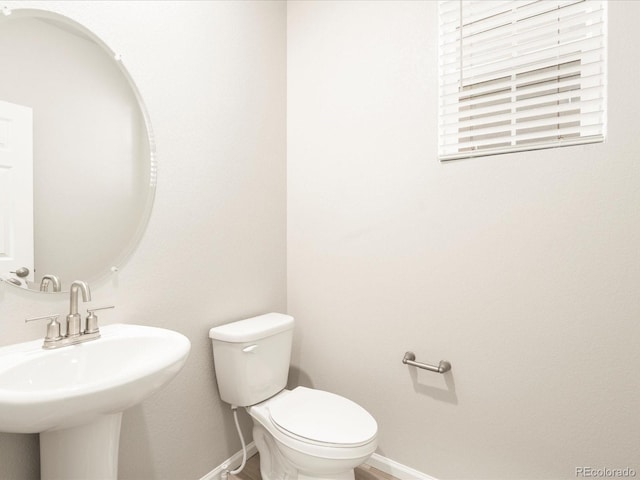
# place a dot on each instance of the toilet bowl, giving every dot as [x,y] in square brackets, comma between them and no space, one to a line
[311,434]
[301,434]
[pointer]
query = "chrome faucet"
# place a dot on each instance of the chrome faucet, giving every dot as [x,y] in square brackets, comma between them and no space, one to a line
[74,319]
[74,333]
[48,279]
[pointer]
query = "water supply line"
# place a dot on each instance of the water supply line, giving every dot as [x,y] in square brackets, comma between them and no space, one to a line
[226,472]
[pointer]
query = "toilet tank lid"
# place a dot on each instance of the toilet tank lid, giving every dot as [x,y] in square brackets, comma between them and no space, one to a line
[253,328]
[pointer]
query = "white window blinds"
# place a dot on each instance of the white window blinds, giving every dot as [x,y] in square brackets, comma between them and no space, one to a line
[520,75]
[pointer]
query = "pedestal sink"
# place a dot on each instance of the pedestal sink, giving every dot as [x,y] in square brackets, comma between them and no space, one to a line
[74,396]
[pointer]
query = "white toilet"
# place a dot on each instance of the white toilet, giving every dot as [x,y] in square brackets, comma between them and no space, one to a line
[301,433]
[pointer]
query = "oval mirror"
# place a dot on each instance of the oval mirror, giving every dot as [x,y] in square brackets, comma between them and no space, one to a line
[77,167]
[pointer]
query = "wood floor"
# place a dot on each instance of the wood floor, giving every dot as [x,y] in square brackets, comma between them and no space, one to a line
[365,472]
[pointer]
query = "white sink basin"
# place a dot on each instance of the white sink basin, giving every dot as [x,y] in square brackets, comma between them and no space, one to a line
[74,396]
[43,390]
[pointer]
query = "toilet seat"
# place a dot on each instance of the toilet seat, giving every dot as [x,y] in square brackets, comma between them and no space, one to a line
[295,444]
[322,418]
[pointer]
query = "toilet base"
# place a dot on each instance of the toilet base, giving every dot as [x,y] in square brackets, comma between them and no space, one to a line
[350,475]
[274,465]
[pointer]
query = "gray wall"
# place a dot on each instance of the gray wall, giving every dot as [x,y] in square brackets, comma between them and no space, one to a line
[213,77]
[521,270]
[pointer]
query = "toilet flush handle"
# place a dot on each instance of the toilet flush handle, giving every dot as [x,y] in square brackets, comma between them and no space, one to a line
[250,348]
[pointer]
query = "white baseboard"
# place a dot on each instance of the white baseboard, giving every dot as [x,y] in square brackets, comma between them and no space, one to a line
[230,463]
[384,464]
[401,472]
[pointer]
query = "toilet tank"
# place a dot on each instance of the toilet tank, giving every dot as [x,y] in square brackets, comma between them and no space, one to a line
[251,357]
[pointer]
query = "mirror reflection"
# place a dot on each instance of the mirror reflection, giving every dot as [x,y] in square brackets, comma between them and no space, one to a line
[76,173]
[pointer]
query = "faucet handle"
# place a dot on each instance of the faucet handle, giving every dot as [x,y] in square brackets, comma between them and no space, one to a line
[92,319]
[91,310]
[53,327]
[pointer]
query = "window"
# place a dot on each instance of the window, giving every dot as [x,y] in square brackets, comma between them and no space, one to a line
[520,75]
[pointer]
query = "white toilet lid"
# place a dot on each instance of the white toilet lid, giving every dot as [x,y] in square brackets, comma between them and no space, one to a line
[323,417]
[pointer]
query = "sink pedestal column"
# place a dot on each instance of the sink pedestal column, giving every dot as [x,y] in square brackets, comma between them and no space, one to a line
[85,452]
